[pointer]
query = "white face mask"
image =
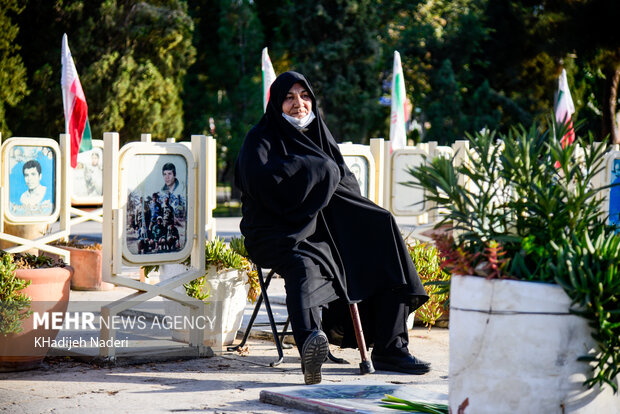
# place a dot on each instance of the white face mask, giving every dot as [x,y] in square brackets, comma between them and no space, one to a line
[300,123]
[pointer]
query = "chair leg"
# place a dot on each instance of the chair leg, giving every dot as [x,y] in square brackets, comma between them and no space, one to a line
[336,359]
[264,284]
[259,301]
[366,364]
[274,329]
[284,333]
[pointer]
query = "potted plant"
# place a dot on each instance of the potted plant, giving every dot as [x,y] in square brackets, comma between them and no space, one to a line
[228,283]
[29,285]
[428,263]
[14,304]
[534,311]
[86,260]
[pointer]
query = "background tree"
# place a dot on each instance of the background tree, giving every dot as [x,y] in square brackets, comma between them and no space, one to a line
[224,83]
[447,58]
[12,70]
[136,83]
[335,44]
[131,57]
[585,32]
[180,67]
[40,114]
[506,56]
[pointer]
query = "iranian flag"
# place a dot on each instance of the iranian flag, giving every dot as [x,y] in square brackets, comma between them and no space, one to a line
[398,120]
[564,108]
[269,75]
[74,103]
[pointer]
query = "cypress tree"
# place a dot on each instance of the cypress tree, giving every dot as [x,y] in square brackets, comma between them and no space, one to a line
[12,70]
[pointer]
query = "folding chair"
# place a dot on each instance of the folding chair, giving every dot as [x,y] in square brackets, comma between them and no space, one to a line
[278,337]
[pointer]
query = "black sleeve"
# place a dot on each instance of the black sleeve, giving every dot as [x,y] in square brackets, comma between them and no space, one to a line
[294,187]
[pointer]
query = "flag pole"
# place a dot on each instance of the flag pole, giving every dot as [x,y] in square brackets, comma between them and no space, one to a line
[64,105]
[65,45]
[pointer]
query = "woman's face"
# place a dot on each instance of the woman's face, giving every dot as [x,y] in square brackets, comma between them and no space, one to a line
[298,102]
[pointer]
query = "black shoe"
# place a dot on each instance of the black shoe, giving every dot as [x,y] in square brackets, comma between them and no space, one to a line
[401,363]
[313,354]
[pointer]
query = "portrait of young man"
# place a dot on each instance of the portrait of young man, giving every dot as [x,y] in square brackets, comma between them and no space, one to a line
[31,182]
[33,196]
[172,186]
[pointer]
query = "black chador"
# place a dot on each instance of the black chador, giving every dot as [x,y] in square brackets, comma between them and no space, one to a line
[304,217]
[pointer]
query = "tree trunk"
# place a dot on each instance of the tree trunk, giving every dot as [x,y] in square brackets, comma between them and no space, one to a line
[610,127]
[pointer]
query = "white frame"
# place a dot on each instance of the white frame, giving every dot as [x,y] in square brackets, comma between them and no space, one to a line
[87,201]
[31,142]
[358,150]
[418,208]
[210,201]
[112,267]
[149,148]
[444,151]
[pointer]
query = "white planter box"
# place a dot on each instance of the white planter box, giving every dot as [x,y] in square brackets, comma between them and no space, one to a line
[223,309]
[514,349]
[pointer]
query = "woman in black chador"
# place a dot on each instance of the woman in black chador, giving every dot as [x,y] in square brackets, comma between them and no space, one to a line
[304,217]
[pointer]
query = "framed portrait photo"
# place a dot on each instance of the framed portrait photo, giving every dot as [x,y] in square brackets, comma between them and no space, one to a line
[360,168]
[361,163]
[87,177]
[157,190]
[406,201]
[30,174]
[613,199]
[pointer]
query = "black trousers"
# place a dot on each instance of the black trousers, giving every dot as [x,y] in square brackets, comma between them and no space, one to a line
[384,320]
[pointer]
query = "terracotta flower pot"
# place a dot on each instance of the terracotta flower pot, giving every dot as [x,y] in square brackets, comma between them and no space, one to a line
[49,292]
[87,273]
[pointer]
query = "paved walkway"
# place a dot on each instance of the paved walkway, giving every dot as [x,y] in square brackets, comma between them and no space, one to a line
[227,383]
[223,384]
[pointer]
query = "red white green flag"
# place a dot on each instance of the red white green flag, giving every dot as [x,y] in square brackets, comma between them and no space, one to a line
[269,75]
[74,103]
[398,120]
[564,108]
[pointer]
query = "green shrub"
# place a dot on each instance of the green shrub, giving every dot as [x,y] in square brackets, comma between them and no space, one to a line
[436,281]
[588,268]
[14,306]
[222,256]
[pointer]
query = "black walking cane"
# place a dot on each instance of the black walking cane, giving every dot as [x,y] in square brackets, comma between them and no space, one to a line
[366,364]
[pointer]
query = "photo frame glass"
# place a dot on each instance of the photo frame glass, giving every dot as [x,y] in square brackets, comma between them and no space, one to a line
[360,168]
[157,200]
[32,181]
[406,200]
[87,177]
